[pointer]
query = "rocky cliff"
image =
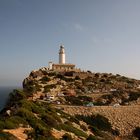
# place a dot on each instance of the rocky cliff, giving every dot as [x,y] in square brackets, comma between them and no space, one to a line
[103,88]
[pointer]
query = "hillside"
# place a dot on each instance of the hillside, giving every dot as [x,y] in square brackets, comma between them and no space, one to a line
[99,88]
[61,105]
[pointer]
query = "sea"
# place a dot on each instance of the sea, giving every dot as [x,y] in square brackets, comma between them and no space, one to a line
[4,94]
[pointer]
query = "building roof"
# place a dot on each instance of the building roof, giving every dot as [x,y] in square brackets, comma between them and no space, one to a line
[64,65]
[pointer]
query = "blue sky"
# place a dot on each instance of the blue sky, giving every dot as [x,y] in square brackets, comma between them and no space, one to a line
[98,35]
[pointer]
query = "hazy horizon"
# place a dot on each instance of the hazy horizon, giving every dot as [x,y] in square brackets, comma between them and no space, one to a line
[98,35]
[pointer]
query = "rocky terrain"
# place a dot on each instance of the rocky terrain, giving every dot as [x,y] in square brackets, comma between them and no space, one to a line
[72,105]
[122,118]
[103,88]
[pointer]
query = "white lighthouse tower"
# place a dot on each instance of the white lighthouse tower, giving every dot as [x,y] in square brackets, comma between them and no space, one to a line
[62,55]
[62,65]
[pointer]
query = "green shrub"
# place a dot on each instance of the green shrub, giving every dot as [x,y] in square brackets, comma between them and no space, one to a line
[45,79]
[10,124]
[40,133]
[97,121]
[2,125]
[69,79]
[83,127]
[136,132]
[7,136]
[74,119]
[17,120]
[66,136]
[101,123]
[65,115]
[27,115]
[91,137]
[69,73]
[46,90]
[102,134]
[62,77]
[95,131]
[30,87]
[45,72]
[31,106]
[52,74]
[38,87]
[133,96]
[80,100]
[41,130]
[116,132]
[26,104]
[68,123]
[30,90]
[73,100]
[85,98]
[72,129]
[38,110]
[87,119]
[49,120]
[15,96]
[48,87]
[77,78]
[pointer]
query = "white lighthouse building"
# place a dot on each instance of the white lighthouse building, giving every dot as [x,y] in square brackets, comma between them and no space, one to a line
[62,65]
[62,55]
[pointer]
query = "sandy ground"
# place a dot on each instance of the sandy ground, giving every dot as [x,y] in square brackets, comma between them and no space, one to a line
[19,132]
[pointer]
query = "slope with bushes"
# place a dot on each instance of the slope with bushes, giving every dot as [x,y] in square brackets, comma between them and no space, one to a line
[33,107]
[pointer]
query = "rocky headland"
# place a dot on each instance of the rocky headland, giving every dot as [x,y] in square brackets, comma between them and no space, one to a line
[73,105]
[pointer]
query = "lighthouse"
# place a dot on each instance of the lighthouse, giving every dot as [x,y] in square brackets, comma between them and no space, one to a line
[61,55]
[62,65]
